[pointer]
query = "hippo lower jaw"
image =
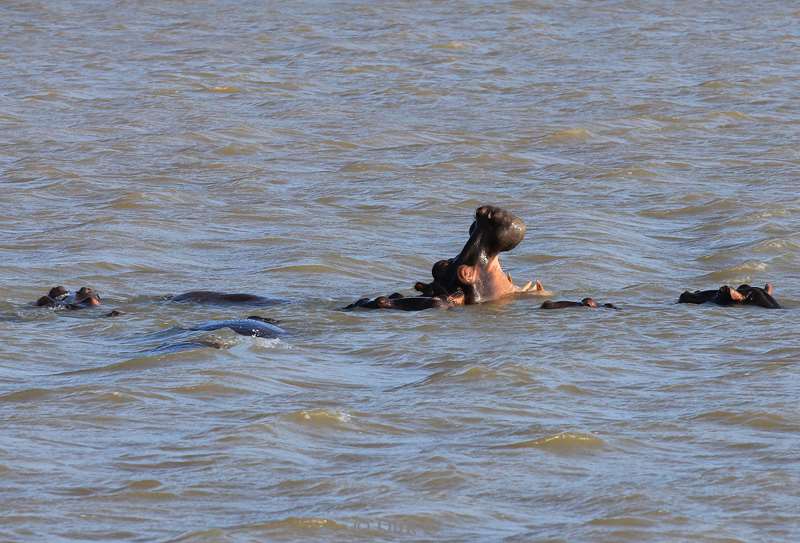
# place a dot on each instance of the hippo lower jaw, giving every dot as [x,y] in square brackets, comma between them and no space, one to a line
[486,282]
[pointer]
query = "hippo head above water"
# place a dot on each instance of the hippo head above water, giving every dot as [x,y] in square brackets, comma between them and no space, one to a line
[726,296]
[475,275]
[472,277]
[59,297]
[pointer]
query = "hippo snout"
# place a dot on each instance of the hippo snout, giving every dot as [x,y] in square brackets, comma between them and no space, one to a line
[504,229]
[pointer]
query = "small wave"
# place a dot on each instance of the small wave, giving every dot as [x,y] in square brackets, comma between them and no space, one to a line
[132,200]
[143,484]
[450,45]
[369,68]
[740,272]
[758,420]
[208,390]
[142,496]
[263,343]
[734,115]
[563,443]
[49,96]
[476,373]
[289,527]
[224,89]
[87,394]
[362,167]
[320,418]
[76,491]
[718,205]
[318,269]
[632,172]
[773,245]
[304,523]
[29,395]
[568,135]
[340,144]
[160,357]
[715,84]
[471,375]
[574,389]
[236,149]
[433,480]
[622,521]
[514,374]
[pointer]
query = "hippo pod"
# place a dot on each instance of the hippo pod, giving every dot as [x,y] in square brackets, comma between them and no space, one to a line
[61,298]
[586,302]
[474,276]
[725,295]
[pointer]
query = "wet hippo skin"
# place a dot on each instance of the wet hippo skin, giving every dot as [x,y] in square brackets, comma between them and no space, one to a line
[60,298]
[586,302]
[251,326]
[474,276]
[725,295]
[212,297]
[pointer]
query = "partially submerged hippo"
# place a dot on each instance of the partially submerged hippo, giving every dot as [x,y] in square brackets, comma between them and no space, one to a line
[61,298]
[725,295]
[586,302]
[213,297]
[251,326]
[472,277]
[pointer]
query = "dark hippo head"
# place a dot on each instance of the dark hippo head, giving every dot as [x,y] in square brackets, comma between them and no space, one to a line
[726,295]
[475,275]
[61,297]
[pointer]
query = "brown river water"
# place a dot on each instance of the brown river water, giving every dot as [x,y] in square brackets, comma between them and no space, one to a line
[317,152]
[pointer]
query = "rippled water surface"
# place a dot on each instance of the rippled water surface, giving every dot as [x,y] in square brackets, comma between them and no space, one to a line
[318,152]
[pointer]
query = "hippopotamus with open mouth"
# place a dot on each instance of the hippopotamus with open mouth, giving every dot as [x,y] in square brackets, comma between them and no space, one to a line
[725,295]
[472,277]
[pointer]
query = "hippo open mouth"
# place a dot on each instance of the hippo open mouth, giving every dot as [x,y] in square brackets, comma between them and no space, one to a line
[475,275]
[472,277]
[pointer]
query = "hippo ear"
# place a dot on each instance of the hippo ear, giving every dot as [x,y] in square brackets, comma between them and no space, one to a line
[467,275]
